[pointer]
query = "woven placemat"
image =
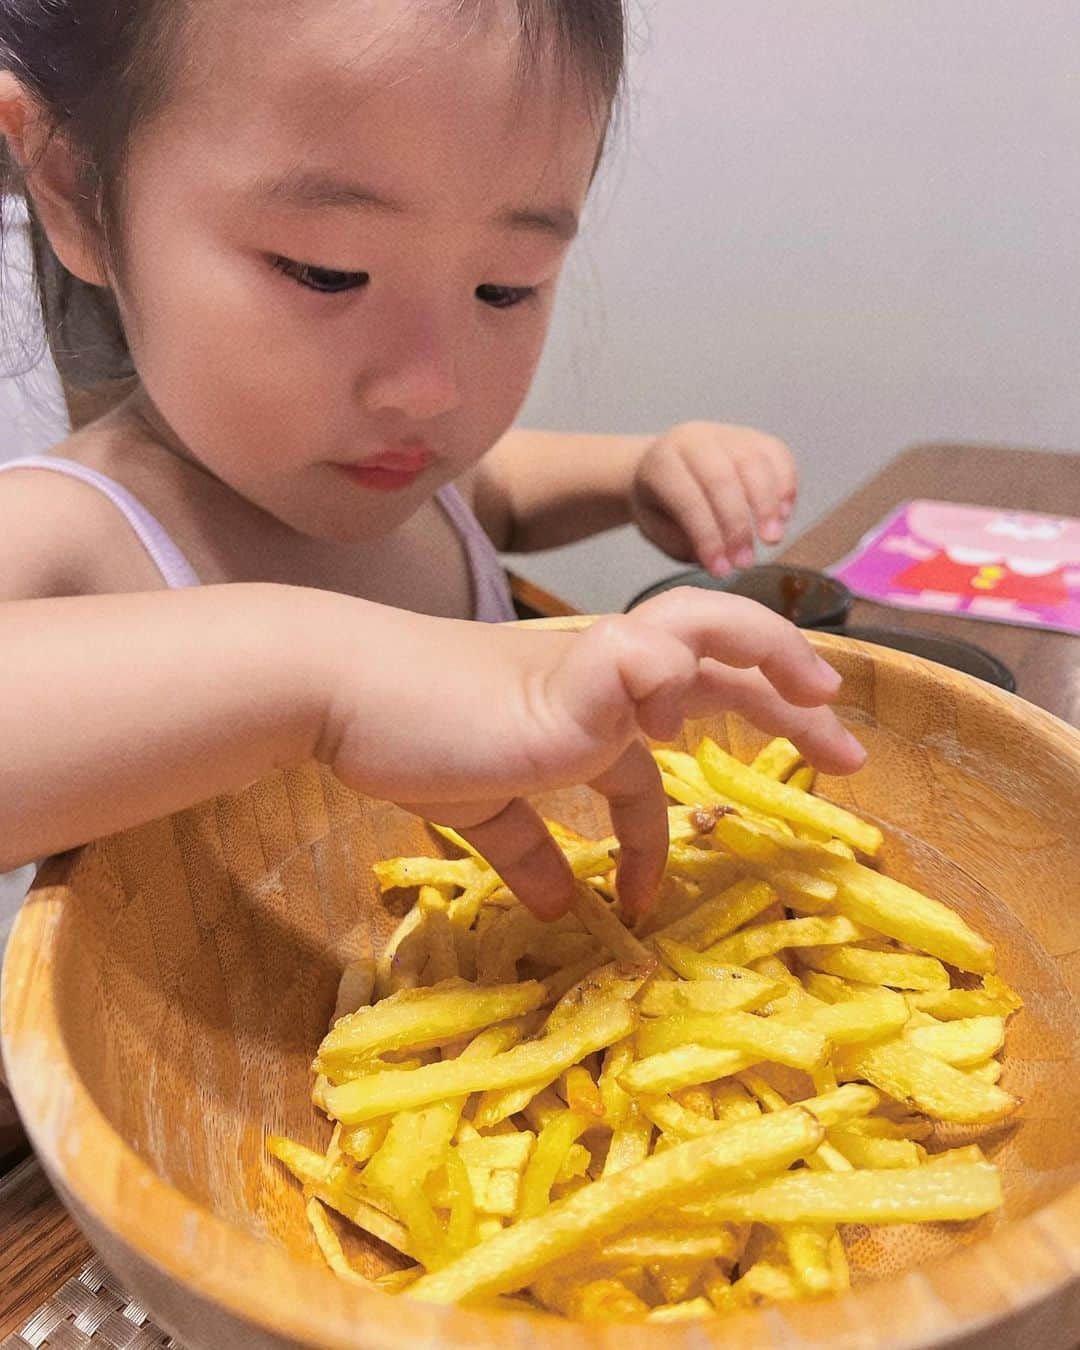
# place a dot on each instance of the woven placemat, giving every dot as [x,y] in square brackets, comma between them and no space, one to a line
[90,1310]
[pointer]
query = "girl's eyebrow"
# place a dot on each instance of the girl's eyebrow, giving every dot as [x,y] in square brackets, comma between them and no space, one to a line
[314,189]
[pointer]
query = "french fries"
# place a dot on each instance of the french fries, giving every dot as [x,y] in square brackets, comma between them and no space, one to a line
[609,1125]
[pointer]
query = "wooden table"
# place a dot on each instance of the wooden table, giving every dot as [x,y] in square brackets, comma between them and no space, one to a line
[1046,665]
[40,1247]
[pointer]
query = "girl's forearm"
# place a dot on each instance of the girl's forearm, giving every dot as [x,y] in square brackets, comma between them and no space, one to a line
[121,708]
[540,489]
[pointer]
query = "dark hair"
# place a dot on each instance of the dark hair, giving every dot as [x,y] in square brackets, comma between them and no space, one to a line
[98,69]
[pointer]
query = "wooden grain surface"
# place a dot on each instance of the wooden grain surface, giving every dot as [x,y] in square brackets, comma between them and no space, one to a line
[40,1247]
[1046,665]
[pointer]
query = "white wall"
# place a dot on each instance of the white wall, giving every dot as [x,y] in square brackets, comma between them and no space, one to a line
[855,223]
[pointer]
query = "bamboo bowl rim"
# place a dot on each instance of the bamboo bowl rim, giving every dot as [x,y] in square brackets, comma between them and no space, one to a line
[273,1290]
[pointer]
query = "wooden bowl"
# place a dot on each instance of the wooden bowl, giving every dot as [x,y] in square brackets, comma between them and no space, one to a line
[165,989]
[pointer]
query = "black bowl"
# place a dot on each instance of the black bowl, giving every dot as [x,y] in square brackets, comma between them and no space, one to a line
[809,599]
[946,651]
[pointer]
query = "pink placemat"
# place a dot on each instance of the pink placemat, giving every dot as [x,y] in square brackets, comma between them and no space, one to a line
[975,561]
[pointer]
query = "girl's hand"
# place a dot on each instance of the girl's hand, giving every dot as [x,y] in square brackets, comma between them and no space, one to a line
[470,721]
[703,490]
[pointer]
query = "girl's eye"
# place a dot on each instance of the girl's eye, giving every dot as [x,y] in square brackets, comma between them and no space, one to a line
[323,279]
[504,297]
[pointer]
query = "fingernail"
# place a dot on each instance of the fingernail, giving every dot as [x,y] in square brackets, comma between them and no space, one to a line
[719,567]
[854,746]
[772,531]
[832,678]
[745,557]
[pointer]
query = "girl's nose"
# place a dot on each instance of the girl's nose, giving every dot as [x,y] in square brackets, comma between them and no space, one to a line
[415,375]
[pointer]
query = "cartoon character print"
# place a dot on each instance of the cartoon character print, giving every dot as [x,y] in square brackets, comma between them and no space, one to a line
[997,563]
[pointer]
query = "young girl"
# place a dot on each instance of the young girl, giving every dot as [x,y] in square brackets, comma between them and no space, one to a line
[329,235]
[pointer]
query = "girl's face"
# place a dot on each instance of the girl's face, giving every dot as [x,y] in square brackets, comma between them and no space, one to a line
[342,240]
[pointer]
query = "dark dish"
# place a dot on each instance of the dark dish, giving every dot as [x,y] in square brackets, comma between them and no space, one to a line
[946,651]
[808,598]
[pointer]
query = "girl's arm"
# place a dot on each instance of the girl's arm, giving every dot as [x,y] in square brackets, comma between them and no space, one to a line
[701,491]
[540,489]
[118,709]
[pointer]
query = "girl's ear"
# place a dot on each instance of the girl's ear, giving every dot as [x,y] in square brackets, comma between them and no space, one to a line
[51,169]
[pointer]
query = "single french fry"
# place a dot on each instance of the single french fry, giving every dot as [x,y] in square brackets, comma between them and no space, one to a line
[719,915]
[679,790]
[582,1094]
[591,1299]
[685,1066]
[732,1102]
[679,765]
[600,920]
[404,935]
[461,1224]
[763,1090]
[865,1151]
[442,962]
[360,1142]
[355,988]
[595,1027]
[949,1157]
[751,944]
[765,1280]
[674,1119]
[498,1152]
[427,1239]
[910,1075]
[898,970]
[963,1042]
[731,778]
[804,889]
[802,778]
[841,1106]
[609,983]
[552,1145]
[897,1195]
[879,1127]
[739,989]
[405,872]
[988,1072]
[499,1104]
[779,759]
[629,1144]
[417,1019]
[671,1245]
[575,1166]
[807,1248]
[866,1017]
[762,1037]
[330,1244]
[615,1098]
[994,999]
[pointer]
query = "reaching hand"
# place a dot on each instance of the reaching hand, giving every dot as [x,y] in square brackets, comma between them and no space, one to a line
[703,490]
[474,720]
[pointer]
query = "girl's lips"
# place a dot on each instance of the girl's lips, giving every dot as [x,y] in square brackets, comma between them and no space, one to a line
[390,472]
